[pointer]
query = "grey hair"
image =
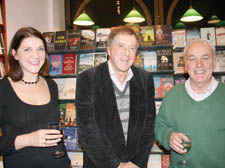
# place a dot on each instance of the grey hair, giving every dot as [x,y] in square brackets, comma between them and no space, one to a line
[204,42]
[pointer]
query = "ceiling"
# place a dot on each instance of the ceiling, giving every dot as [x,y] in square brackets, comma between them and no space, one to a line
[104,12]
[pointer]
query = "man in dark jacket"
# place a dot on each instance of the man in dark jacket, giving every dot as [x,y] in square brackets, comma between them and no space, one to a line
[116,108]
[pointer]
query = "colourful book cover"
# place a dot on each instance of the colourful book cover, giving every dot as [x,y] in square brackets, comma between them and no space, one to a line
[50,39]
[192,35]
[163,34]
[69,64]
[86,61]
[149,60]
[70,116]
[164,59]
[87,39]
[99,58]
[179,38]
[73,42]
[147,35]
[208,34]
[158,86]
[179,63]
[70,138]
[55,64]
[61,38]
[220,36]
[101,37]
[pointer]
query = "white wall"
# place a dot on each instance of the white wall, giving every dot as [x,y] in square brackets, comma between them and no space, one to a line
[44,15]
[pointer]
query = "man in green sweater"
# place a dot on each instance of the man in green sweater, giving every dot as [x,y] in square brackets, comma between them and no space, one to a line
[196,108]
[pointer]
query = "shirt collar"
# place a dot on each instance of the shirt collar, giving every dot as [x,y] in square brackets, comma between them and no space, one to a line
[203,95]
[116,80]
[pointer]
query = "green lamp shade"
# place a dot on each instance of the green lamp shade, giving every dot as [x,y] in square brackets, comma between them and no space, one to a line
[191,15]
[213,19]
[83,20]
[134,17]
[180,25]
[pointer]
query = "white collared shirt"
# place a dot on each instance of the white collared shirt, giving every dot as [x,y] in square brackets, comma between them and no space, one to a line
[206,93]
[116,80]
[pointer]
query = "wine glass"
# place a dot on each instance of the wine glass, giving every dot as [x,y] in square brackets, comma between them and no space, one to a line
[60,152]
[187,146]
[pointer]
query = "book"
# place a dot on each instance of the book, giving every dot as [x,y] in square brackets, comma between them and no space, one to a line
[220,61]
[73,41]
[87,40]
[167,84]
[208,34]
[70,115]
[86,61]
[69,64]
[76,159]
[55,64]
[163,34]
[220,36]
[179,63]
[66,88]
[61,40]
[147,35]
[179,38]
[165,159]
[192,35]
[50,39]
[101,37]
[149,59]
[158,86]
[99,58]
[70,138]
[164,59]
[62,110]
[139,61]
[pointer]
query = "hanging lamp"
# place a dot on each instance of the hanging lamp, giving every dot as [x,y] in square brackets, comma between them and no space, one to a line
[134,17]
[213,20]
[191,15]
[180,25]
[83,20]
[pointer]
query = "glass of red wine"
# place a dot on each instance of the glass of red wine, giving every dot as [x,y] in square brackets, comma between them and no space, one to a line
[60,152]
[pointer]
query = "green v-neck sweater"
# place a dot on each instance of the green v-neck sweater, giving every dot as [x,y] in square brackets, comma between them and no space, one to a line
[204,121]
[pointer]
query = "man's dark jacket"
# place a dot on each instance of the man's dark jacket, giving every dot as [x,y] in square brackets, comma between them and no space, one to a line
[99,127]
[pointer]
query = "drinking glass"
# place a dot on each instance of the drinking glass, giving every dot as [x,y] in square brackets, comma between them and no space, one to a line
[187,146]
[60,152]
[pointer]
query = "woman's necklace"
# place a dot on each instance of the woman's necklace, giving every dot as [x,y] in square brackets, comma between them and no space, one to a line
[31,83]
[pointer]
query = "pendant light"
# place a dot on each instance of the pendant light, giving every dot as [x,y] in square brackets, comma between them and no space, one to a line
[191,15]
[83,20]
[213,19]
[180,25]
[134,16]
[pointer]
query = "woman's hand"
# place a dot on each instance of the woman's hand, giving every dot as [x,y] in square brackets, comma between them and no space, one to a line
[39,138]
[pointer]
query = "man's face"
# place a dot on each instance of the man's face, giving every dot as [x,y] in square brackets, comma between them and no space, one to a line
[122,53]
[200,64]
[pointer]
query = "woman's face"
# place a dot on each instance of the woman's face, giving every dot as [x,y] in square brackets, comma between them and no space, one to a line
[31,55]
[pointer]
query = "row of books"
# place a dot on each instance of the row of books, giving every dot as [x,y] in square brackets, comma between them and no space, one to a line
[152,61]
[150,35]
[182,37]
[66,64]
